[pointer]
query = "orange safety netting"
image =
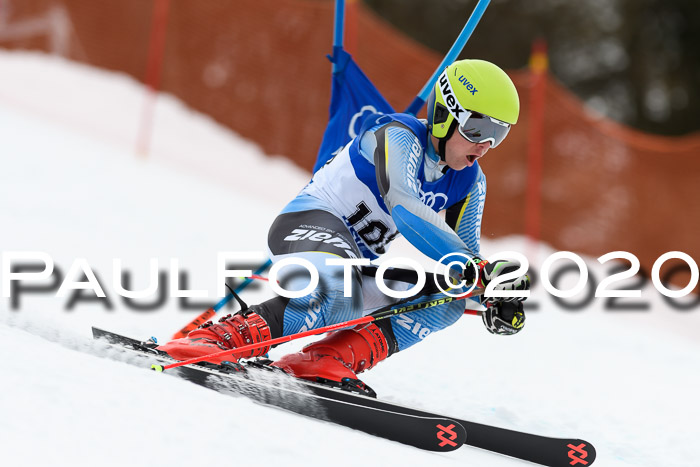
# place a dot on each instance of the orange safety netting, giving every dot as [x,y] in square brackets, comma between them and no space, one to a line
[259,67]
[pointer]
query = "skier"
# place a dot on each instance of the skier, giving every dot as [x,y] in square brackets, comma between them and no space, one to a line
[392,179]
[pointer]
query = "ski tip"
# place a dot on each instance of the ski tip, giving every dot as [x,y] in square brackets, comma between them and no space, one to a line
[158,368]
[450,434]
[576,451]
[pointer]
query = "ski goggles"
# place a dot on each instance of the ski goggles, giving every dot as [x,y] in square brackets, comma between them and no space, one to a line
[479,128]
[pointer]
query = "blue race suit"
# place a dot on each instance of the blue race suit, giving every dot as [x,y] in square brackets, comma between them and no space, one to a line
[385,182]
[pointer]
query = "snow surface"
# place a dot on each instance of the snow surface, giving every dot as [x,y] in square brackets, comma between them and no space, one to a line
[72,186]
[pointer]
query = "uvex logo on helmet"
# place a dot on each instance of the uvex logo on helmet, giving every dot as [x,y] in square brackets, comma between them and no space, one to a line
[448,97]
[470,87]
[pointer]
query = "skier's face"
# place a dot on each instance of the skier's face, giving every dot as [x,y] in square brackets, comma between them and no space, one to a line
[461,153]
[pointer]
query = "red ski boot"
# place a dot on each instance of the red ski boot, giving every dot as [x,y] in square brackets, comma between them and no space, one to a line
[338,357]
[230,332]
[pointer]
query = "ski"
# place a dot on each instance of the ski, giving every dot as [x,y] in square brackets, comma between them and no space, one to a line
[432,433]
[543,450]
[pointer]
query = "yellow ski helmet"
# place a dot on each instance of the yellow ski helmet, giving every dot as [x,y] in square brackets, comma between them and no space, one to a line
[475,96]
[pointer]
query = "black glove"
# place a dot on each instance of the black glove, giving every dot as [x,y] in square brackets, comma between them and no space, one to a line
[490,271]
[504,318]
[473,270]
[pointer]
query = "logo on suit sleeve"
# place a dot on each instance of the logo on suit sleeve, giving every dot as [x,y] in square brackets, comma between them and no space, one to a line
[429,199]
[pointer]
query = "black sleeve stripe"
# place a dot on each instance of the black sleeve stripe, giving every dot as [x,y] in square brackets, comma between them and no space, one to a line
[380,156]
[453,213]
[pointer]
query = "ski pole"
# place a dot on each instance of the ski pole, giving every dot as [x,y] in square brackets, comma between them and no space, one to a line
[451,56]
[206,315]
[382,313]
[468,311]
[258,277]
